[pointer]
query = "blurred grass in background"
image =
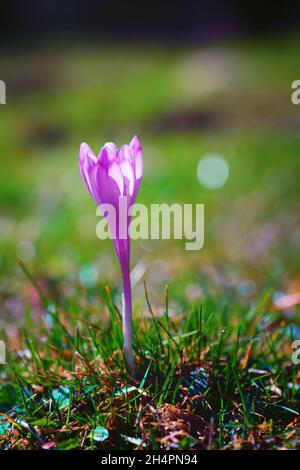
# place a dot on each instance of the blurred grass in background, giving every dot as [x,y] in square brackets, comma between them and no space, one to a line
[184,103]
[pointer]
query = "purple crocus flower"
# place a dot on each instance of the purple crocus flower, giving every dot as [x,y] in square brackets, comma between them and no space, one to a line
[111,178]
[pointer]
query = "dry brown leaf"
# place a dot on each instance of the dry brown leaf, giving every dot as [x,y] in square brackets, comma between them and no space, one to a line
[245,359]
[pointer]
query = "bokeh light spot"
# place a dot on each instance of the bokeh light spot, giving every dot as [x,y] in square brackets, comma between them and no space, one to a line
[88,276]
[26,250]
[212,171]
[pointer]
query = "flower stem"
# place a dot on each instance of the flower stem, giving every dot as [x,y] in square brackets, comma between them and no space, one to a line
[127,320]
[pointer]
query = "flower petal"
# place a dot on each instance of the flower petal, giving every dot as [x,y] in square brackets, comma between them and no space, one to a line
[108,161]
[87,164]
[111,152]
[136,150]
[127,167]
[108,179]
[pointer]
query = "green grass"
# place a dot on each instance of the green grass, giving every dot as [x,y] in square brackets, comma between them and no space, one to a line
[217,376]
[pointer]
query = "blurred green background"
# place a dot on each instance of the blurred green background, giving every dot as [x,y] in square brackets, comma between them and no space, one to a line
[185,103]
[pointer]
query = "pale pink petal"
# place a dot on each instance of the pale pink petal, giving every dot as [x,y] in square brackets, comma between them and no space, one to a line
[109,179]
[111,152]
[127,168]
[87,164]
[115,172]
[136,150]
